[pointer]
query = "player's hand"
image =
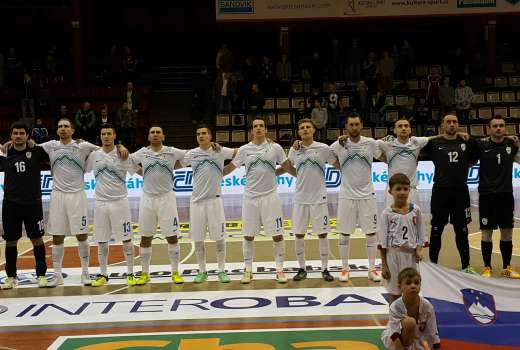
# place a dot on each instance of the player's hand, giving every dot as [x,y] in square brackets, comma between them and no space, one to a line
[297,145]
[418,254]
[513,138]
[79,141]
[122,152]
[31,143]
[343,140]
[386,272]
[463,135]
[7,146]
[216,147]
[140,171]
[387,138]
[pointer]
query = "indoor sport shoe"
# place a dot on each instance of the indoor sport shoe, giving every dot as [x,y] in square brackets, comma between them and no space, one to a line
[131,280]
[100,280]
[201,277]
[509,272]
[143,279]
[327,276]
[300,275]
[247,277]
[223,277]
[471,270]
[10,283]
[42,281]
[177,278]
[280,277]
[487,272]
[374,275]
[343,275]
[85,279]
[57,280]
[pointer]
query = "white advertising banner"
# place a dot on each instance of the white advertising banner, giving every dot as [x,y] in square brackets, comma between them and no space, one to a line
[229,10]
[235,182]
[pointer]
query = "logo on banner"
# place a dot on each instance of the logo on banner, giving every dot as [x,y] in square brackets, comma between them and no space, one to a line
[332,177]
[236,6]
[183,181]
[480,305]
[46,184]
[477,3]
[473,175]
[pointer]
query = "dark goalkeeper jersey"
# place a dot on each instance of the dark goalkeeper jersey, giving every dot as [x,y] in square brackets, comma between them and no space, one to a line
[496,165]
[22,175]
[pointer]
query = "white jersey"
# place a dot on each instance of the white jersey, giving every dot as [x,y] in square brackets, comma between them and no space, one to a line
[403,157]
[401,230]
[260,162]
[158,168]
[309,162]
[110,173]
[68,164]
[355,159]
[207,166]
[426,324]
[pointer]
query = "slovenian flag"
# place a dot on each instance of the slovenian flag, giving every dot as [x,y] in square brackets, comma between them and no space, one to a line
[473,313]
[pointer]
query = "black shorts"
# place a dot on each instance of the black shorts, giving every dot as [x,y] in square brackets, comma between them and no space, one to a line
[14,214]
[450,205]
[496,210]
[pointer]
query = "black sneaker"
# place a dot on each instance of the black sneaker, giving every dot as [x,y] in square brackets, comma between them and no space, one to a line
[301,275]
[327,276]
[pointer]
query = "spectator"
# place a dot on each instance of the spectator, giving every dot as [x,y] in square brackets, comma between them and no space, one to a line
[63,113]
[301,112]
[131,97]
[224,92]
[386,68]
[225,59]
[446,96]
[343,112]
[266,75]
[104,117]
[126,121]
[130,65]
[256,101]
[463,97]
[40,134]
[249,73]
[332,104]
[408,110]
[434,84]
[370,71]
[2,64]
[85,121]
[27,96]
[362,101]
[284,74]
[319,118]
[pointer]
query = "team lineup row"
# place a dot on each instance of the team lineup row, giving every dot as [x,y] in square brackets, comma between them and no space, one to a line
[452,153]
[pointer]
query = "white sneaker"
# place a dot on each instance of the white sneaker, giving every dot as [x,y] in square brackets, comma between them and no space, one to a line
[10,283]
[343,275]
[57,280]
[374,275]
[42,281]
[85,279]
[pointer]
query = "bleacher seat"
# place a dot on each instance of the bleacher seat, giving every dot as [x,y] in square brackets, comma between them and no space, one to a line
[238,120]
[238,136]
[282,103]
[379,133]
[269,104]
[272,134]
[413,84]
[333,134]
[514,112]
[295,102]
[414,131]
[401,100]
[484,113]
[436,66]
[285,135]
[367,132]
[511,129]
[514,81]
[477,130]
[345,99]
[436,114]
[222,136]
[501,81]
[508,96]
[269,119]
[297,87]
[478,97]
[421,70]
[507,67]
[284,118]
[397,83]
[472,113]
[501,111]
[462,128]
[493,97]
[391,116]
[389,100]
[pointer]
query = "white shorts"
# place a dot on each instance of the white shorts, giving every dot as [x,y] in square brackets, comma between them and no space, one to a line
[318,214]
[398,259]
[352,212]
[265,210]
[112,217]
[207,215]
[413,197]
[67,213]
[158,209]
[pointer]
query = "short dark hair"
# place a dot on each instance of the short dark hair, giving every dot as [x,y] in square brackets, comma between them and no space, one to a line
[20,125]
[354,115]
[402,119]
[398,179]
[155,126]
[498,117]
[107,126]
[407,273]
[306,120]
[67,120]
[203,126]
[452,113]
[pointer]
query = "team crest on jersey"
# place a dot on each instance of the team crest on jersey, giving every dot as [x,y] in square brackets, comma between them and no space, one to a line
[508,150]
[28,155]
[480,305]
[484,221]
[463,146]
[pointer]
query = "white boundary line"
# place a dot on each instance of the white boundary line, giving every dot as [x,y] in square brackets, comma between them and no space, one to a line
[192,250]
[61,339]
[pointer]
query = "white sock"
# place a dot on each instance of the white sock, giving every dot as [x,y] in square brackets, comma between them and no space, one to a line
[324,253]
[299,245]
[103,257]
[371,249]
[279,254]
[248,249]
[84,255]
[57,257]
[128,248]
[146,257]
[200,253]
[221,254]
[344,250]
[174,250]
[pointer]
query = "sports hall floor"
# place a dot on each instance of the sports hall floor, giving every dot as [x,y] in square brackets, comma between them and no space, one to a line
[153,324]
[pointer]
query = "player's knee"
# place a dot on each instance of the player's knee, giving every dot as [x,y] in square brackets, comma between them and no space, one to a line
[57,240]
[323,235]
[461,230]
[172,240]
[300,236]
[11,243]
[146,241]
[36,241]
[506,234]
[250,238]
[278,238]
[487,235]
[82,237]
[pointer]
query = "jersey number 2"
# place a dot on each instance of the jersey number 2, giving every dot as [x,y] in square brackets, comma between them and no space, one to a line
[405,232]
